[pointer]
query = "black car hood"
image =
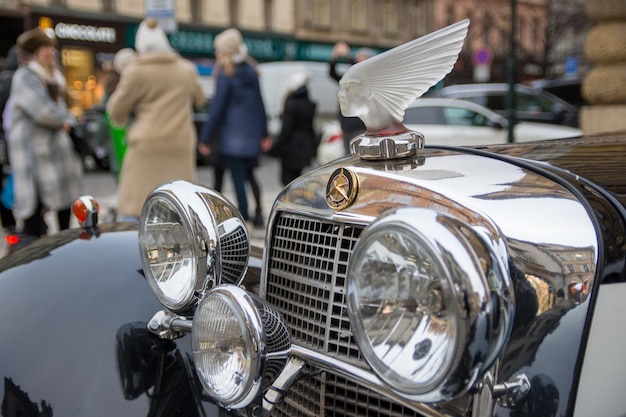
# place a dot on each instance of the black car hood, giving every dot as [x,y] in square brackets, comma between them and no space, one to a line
[74,314]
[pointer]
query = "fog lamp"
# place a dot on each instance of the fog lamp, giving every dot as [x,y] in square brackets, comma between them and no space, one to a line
[240,345]
[429,302]
[191,239]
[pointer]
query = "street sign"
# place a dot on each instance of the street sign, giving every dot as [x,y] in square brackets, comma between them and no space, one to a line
[164,12]
[482,56]
[570,66]
[482,73]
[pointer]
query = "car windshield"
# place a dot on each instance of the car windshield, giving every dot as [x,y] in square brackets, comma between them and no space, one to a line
[452,116]
[423,115]
[537,103]
[457,116]
[497,101]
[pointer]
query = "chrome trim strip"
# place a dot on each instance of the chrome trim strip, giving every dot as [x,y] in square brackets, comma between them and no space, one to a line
[362,377]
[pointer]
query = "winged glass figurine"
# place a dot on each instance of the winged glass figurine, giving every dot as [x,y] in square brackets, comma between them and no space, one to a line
[379,89]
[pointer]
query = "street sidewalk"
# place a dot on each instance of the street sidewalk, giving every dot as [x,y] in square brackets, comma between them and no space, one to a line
[101,185]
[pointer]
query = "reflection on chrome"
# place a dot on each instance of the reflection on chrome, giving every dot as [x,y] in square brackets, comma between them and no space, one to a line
[523,217]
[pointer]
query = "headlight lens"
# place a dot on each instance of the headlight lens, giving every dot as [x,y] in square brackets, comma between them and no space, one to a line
[190,238]
[169,253]
[240,344]
[416,292]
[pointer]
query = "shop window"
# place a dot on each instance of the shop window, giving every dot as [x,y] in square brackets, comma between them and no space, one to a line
[450,15]
[418,14]
[83,87]
[108,6]
[358,13]
[196,10]
[321,13]
[268,13]
[390,17]
[233,10]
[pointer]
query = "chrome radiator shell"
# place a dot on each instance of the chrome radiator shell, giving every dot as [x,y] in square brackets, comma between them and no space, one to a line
[308,248]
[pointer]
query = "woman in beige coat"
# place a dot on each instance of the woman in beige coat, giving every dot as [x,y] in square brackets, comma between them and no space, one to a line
[160,89]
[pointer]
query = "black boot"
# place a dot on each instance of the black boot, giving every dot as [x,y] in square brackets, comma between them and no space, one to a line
[258,218]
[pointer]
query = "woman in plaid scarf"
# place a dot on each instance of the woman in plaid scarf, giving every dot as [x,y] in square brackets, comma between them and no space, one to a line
[46,170]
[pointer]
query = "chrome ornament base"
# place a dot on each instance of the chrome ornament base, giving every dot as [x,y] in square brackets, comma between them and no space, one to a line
[387,147]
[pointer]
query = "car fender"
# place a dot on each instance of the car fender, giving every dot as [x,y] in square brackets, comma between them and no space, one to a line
[74,314]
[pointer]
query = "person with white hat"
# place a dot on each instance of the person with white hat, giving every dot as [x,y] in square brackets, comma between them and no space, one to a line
[237,112]
[160,89]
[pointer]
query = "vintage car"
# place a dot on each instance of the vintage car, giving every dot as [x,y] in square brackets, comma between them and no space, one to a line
[401,280]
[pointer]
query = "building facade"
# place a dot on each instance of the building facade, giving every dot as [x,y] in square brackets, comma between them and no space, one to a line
[89,32]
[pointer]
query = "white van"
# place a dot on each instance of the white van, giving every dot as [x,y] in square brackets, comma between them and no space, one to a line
[322,90]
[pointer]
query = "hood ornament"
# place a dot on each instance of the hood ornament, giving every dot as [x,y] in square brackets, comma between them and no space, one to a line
[379,89]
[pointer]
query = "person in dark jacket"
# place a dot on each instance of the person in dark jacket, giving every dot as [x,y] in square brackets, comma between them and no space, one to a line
[6,76]
[296,143]
[351,127]
[237,112]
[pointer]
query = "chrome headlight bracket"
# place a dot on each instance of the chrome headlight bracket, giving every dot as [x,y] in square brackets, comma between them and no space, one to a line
[430,301]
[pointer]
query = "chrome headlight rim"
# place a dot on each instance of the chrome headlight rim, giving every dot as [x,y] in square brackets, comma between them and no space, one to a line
[202,213]
[251,327]
[441,235]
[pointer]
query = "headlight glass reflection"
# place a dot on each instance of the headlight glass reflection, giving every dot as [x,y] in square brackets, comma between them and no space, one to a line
[400,306]
[226,349]
[168,253]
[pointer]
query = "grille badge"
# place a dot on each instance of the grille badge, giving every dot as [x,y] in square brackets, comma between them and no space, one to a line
[342,189]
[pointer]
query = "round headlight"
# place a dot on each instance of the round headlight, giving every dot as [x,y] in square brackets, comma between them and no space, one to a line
[191,238]
[240,344]
[426,310]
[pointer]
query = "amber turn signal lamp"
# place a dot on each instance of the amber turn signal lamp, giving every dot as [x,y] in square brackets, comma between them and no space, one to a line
[83,207]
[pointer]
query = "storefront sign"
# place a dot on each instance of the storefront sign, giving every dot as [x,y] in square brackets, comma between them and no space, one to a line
[309,51]
[200,43]
[85,33]
[192,42]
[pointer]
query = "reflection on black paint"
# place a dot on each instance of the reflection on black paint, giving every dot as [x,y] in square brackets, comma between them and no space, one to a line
[16,403]
[154,367]
[543,400]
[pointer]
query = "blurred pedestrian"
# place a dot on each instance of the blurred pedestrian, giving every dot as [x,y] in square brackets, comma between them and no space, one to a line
[6,76]
[107,136]
[46,171]
[296,143]
[121,60]
[351,126]
[237,114]
[161,89]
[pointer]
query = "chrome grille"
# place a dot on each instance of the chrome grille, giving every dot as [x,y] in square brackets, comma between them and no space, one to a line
[306,282]
[234,249]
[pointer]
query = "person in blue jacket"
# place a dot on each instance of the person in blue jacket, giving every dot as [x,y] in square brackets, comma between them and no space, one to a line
[237,116]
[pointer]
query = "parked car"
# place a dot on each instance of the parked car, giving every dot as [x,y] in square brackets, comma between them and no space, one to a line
[331,144]
[568,89]
[447,121]
[405,279]
[532,104]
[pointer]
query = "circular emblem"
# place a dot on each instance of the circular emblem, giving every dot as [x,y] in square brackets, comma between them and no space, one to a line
[342,189]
